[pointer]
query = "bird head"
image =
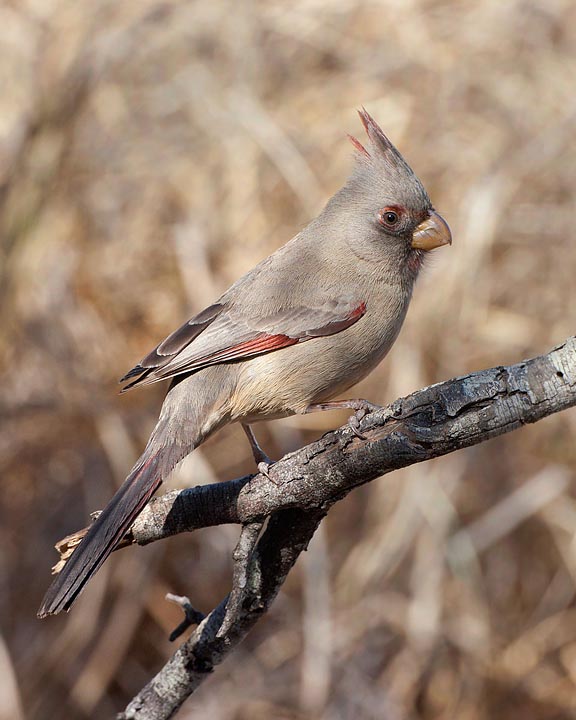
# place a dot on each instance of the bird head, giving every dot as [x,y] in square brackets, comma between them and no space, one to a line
[389,210]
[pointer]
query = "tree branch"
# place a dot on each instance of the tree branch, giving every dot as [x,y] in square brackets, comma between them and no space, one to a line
[431,422]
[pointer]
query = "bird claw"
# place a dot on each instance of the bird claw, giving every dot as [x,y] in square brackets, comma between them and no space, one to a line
[364,408]
[354,425]
[263,462]
[264,469]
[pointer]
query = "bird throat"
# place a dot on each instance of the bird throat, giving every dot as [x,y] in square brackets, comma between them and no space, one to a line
[415,261]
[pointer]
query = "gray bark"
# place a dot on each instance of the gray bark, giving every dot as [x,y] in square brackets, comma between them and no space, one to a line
[305,484]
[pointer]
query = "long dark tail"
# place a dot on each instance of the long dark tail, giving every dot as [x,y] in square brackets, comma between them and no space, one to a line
[192,409]
[104,534]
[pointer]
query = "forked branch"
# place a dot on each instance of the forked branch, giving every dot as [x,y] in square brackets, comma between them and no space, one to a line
[305,484]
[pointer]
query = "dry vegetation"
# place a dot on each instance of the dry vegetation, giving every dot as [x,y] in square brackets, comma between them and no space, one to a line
[152,152]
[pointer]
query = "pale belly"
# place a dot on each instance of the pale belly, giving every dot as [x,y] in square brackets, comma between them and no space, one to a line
[287,381]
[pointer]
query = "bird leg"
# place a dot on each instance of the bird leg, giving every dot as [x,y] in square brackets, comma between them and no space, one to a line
[262,460]
[360,406]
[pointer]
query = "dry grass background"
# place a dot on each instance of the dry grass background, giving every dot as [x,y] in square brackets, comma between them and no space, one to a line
[150,153]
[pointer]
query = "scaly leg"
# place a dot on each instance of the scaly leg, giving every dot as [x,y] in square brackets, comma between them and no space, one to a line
[360,406]
[262,460]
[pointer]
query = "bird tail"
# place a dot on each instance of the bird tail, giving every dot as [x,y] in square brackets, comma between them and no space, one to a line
[191,411]
[106,532]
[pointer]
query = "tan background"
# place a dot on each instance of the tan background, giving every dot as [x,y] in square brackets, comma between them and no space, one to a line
[150,153]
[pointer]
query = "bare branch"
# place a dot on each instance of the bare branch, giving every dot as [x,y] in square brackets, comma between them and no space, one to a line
[287,535]
[431,422]
[243,555]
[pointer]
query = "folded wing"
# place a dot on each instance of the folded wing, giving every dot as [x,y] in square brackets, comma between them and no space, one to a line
[224,333]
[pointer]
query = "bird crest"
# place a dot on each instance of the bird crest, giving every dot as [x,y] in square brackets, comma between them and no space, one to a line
[380,147]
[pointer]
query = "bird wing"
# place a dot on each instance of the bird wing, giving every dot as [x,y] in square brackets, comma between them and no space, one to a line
[224,333]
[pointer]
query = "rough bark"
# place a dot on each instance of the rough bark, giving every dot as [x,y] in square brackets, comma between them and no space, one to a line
[305,484]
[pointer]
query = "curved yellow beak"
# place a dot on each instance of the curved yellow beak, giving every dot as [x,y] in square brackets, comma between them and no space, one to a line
[432,233]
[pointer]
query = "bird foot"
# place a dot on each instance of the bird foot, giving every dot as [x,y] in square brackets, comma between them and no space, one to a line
[264,468]
[263,462]
[360,406]
[363,408]
[354,425]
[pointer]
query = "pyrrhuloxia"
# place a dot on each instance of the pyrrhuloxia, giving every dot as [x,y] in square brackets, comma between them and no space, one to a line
[304,325]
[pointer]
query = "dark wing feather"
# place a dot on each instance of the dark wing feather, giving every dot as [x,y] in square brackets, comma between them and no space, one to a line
[223,334]
[172,345]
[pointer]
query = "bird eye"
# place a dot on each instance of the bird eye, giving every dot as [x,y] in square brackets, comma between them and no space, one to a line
[388,217]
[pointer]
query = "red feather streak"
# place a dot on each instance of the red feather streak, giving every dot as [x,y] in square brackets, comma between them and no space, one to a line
[260,344]
[357,313]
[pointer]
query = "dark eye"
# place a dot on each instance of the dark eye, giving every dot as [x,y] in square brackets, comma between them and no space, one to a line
[389,217]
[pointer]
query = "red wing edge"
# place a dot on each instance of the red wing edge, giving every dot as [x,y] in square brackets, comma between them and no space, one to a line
[260,344]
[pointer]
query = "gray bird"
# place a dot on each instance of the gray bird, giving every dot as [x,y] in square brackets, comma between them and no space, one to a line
[304,325]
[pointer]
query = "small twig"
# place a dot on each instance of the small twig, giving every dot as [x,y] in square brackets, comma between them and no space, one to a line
[242,557]
[191,615]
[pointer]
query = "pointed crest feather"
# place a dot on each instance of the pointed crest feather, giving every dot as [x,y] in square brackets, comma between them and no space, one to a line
[384,148]
[381,171]
[358,145]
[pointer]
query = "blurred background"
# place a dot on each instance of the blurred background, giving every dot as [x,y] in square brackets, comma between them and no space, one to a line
[151,153]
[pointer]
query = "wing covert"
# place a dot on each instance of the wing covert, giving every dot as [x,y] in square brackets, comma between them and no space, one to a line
[223,333]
